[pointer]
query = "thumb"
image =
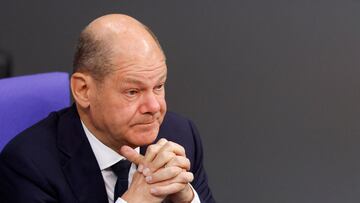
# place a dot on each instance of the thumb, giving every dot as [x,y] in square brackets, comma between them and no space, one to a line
[131,154]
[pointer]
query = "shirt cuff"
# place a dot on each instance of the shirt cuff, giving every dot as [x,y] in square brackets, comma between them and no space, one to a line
[119,200]
[196,196]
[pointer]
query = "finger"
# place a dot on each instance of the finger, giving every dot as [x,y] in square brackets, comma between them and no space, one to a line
[164,155]
[180,161]
[139,191]
[164,174]
[161,159]
[182,177]
[151,152]
[153,149]
[162,141]
[131,154]
[173,147]
[167,189]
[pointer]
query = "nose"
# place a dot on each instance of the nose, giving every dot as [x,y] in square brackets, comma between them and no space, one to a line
[151,104]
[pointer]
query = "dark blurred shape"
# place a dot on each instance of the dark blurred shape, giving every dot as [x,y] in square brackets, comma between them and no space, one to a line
[5,64]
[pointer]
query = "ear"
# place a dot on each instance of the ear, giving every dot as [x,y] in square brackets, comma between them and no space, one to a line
[80,88]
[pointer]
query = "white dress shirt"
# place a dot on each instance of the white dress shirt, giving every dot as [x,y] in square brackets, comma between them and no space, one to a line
[106,157]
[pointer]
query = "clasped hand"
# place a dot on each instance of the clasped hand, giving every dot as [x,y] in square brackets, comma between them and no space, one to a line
[163,173]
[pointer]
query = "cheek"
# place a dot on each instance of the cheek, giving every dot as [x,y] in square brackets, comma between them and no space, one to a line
[163,105]
[123,115]
[162,102]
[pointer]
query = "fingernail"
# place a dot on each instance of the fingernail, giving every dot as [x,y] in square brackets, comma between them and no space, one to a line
[146,171]
[153,190]
[140,168]
[148,178]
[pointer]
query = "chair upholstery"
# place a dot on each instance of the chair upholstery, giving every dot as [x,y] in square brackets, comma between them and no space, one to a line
[25,100]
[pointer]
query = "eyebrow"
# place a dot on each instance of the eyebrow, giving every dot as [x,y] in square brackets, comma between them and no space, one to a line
[139,82]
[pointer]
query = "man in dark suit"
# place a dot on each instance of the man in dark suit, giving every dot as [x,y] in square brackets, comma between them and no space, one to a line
[82,153]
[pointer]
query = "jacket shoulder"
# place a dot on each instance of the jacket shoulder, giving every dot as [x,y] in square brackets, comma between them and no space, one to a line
[36,139]
[173,121]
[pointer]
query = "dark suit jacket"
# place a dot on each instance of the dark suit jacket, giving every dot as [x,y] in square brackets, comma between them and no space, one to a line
[52,161]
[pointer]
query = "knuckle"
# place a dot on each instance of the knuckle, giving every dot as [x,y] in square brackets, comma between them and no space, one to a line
[167,156]
[151,149]
[184,177]
[171,155]
[187,177]
[170,144]
[187,161]
[162,155]
[182,162]
[165,153]
[188,164]
[177,160]
[162,140]
[182,149]
[191,177]
[175,170]
[159,191]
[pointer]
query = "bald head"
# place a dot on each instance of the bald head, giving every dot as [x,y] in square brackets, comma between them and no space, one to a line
[109,39]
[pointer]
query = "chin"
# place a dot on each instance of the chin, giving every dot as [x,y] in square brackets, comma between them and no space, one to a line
[143,138]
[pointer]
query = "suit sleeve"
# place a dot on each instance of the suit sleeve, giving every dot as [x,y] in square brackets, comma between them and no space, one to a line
[20,181]
[200,182]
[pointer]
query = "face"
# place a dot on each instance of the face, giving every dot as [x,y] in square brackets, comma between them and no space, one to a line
[129,106]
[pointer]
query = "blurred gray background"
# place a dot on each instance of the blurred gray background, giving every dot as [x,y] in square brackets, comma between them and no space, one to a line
[272,85]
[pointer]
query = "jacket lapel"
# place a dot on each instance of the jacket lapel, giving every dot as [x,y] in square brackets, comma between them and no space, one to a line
[79,163]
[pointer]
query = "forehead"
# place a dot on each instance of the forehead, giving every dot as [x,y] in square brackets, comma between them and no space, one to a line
[136,74]
[139,61]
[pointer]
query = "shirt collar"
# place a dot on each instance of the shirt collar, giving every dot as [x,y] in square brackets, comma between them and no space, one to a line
[105,156]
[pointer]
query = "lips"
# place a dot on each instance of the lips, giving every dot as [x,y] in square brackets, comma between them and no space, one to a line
[147,120]
[145,123]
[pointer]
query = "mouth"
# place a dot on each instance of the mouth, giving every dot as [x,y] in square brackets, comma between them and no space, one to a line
[146,127]
[146,123]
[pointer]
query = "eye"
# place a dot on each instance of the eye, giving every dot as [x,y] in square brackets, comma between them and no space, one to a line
[159,87]
[131,92]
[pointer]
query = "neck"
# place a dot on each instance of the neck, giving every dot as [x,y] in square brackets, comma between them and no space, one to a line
[101,136]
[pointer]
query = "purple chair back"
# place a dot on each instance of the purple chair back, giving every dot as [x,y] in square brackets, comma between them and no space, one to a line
[26,100]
